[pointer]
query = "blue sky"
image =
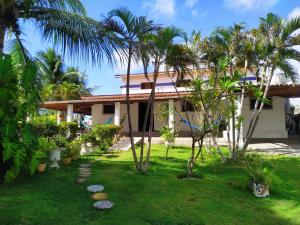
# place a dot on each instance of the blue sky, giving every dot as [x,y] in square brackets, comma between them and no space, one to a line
[201,15]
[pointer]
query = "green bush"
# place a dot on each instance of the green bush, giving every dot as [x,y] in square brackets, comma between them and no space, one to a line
[102,135]
[69,129]
[45,126]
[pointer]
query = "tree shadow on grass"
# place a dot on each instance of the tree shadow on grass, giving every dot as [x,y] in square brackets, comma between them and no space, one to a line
[155,198]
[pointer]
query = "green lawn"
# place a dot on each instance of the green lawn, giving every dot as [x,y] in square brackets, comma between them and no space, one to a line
[158,198]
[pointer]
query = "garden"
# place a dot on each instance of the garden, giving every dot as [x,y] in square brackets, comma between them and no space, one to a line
[220,196]
[54,171]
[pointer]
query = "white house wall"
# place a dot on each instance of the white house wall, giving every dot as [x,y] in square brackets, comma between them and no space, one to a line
[271,123]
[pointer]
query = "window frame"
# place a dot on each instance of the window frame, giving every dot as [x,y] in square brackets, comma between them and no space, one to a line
[108,111]
[145,84]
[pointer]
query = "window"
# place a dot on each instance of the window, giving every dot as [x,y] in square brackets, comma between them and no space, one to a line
[108,109]
[147,85]
[187,107]
[266,105]
[183,83]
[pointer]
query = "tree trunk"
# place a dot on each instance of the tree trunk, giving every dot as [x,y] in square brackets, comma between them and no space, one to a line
[2,36]
[151,98]
[191,161]
[3,166]
[255,119]
[167,151]
[151,119]
[241,104]
[128,110]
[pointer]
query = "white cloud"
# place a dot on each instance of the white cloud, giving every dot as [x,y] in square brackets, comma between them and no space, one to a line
[247,5]
[196,14]
[190,3]
[294,13]
[160,7]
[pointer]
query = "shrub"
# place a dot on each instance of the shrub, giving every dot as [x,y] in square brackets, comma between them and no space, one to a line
[45,126]
[260,172]
[60,141]
[102,135]
[69,129]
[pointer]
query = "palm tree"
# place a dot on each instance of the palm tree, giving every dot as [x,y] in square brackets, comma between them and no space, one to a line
[64,22]
[275,44]
[160,44]
[131,29]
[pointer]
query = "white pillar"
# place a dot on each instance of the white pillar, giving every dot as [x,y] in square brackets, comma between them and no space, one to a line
[117,113]
[171,114]
[70,113]
[58,117]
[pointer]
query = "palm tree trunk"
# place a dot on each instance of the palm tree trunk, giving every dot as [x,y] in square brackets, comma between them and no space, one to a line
[255,119]
[3,166]
[128,110]
[241,105]
[146,166]
[2,36]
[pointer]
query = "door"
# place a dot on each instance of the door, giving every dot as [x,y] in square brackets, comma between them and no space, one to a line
[142,114]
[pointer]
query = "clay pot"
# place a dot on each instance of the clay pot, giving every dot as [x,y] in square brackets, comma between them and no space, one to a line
[41,167]
[67,161]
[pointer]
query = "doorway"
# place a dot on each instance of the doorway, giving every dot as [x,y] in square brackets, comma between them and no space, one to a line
[142,114]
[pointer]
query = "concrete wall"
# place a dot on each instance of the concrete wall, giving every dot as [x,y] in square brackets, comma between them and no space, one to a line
[271,123]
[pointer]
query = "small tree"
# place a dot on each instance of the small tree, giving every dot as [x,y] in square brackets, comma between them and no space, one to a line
[167,133]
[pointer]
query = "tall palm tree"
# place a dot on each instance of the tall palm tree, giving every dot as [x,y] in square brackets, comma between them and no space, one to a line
[131,29]
[229,42]
[160,44]
[276,39]
[64,22]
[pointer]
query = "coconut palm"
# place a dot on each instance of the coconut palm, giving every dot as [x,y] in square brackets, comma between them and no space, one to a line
[131,30]
[160,44]
[63,22]
[276,39]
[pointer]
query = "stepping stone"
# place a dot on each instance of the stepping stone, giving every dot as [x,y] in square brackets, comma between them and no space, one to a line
[85,165]
[95,188]
[99,196]
[81,180]
[103,205]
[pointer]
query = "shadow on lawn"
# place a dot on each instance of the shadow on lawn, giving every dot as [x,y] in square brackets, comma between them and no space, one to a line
[157,198]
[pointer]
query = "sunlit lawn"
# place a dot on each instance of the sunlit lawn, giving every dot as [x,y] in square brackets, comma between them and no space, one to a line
[158,198]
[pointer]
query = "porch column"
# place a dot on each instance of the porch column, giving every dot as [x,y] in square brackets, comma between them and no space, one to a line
[69,112]
[117,113]
[171,114]
[58,117]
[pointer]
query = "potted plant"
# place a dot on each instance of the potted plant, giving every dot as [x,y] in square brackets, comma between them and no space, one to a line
[41,157]
[56,145]
[41,154]
[261,177]
[67,155]
[75,146]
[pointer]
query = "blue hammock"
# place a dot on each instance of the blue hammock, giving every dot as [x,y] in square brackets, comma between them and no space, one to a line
[109,120]
[193,126]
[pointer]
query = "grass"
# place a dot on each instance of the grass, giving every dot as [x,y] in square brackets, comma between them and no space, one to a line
[158,198]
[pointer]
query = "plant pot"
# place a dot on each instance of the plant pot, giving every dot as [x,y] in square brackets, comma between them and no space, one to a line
[41,167]
[75,156]
[55,157]
[260,190]
[66,160]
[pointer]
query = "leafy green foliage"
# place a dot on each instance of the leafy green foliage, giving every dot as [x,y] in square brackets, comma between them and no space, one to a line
[261,172]
[19,98]
[102,135]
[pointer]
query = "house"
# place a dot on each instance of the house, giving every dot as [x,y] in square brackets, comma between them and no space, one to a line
[272,123]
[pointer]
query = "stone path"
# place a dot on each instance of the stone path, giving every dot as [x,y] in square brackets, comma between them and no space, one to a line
[98,195]
[84,172]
